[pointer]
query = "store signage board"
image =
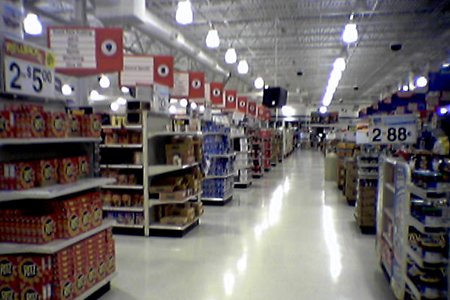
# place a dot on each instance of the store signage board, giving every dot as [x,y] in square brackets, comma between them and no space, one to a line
[82,51]
[11,18]
[28,69]
[181,85]
[137,70]
[196,85]
[160,98]
[400,129]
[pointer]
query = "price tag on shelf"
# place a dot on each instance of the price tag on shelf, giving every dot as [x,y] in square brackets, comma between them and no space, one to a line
[401,129]
[28,70]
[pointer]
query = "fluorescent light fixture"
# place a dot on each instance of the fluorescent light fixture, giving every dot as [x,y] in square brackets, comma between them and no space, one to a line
[231,56]
[259,83]
[104,82]
[339,64]
[288,111]
[183,102]
[266,86]
[184,14]
[32,25]
[66,90]
[326,101]
[212,39]
[242,67]
[323,109]
[172,109]
[202,108]
[121,101]
[125,90]
[114,106]
[350,34]
[95,96]
[421,81]
[193,105]
[405,88]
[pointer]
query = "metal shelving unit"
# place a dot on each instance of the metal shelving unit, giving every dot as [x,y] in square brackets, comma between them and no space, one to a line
[243,174]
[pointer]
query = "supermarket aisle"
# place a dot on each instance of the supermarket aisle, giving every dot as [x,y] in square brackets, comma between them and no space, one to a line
[287,237]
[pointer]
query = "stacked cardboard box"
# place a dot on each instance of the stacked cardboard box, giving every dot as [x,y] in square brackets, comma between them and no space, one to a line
[350,180]
[181,151]
[365,210]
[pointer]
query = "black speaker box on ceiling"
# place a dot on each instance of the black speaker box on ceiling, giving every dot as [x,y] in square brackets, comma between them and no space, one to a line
[275,97]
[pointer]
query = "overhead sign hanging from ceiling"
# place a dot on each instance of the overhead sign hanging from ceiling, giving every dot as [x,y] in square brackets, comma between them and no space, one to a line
[28,69]
[196,85]
[147,70]
[242,104]
[82,51]
[180,85]
[216,93]
[230,99]
[399,129]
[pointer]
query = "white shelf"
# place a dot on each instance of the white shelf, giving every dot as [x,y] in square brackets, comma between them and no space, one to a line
[172,227]
[172,133]
[413,288]
[173,201]
[128,127]
[54,246]
[215,133]
[388,212]
[96,287]
[239,136]
[226,155]
[422,227]
[122,187]
[121,166]
[130,226]
[219,176]
[218,199]
[420,261]
[121,146]
[28,141]
[122,208]
[367,165]
[388,241]
[423,193]
[54,191]
[390,186]
[154,170]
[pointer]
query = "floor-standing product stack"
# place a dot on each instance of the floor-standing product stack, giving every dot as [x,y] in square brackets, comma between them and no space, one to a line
[122,158]
[343,150]
[351,172]
[218,185]
[367,187]
[277,147]
[54,243]
[266,139]
[256,154]
[243,163]
[289,141]
[413,227]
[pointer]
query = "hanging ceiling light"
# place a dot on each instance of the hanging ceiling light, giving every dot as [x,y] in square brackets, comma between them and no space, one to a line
[212,38]
[202,108]
[323,109]
[231,56]
[193,106]
[66,89]
[259,83]
[183,102]
[288,111]
[172,109]
[104,82]
[350,34]
[125,89]
[32,25]
[121,101]
[184,14]
[114,106]
[421,81]
[242,67]
[405,88]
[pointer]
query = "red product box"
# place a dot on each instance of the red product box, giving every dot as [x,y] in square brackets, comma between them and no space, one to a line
[83,166]
[37,229]
[46,172]
[37,124]
[9,291]
[34,269]
[19,175]
[63,263]
[68,170]
[7,124]
[86,212]
[56,124]
[74,124]
[68,223]
[96,209]
[63,289]
[91,125]
[8,269]
[80,281]
[3,175]
[40,291]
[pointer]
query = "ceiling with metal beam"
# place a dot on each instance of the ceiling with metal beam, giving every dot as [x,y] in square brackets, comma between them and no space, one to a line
[281,38]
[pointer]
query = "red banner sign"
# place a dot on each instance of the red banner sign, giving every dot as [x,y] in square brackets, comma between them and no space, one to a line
[230,99]
[267,114]
[216,93]
[163,71]
[242,104]
[82,51]
[252,108]
[196,85]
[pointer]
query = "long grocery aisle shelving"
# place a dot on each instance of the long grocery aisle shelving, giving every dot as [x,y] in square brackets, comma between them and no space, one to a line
[289,236]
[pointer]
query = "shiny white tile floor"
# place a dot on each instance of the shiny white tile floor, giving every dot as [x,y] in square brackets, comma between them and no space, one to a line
[289,236]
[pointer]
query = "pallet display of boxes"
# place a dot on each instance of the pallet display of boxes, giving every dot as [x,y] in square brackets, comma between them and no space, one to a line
[350,180]
[63,275]
[365,209]
[343,151]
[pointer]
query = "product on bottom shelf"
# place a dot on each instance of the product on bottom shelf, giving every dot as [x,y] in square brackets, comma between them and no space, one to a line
[218,187]
[178,214]
[350,180]
[63,275]
[365,209]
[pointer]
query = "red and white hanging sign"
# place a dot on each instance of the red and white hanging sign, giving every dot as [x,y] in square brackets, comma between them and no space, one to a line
[230,99]
[242,104]
[82,51]
[196,85]
[261,112]
[267,114]
[251,108]
[137,70]
[216,93]
[163,71]
[181,85]
[207,92]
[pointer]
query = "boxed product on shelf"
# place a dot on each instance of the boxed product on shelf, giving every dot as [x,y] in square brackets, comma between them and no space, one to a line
[17,175]
[83,166]
[128,199]
[68,170]
[6,124]
[47,172]
[180,151]
[91,125]
[74,125]
[56,124]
